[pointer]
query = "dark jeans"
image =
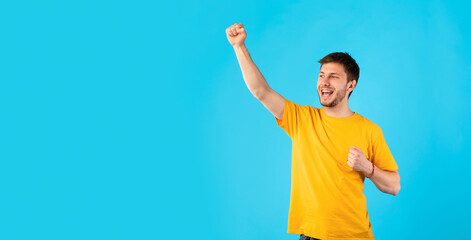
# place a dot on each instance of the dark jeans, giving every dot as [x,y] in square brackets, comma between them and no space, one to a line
[304,237]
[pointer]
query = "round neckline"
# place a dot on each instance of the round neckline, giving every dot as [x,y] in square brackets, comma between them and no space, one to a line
[338,118]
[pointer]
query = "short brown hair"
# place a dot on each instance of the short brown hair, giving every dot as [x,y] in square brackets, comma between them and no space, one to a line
[349,64]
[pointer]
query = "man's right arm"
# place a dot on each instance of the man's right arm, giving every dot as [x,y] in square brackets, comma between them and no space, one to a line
[254,80]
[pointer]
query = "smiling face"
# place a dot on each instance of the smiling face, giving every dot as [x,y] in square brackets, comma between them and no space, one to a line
[332,85]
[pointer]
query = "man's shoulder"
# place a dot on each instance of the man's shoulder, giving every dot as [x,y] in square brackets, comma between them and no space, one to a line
[302,105]
[367,123]
[305,107]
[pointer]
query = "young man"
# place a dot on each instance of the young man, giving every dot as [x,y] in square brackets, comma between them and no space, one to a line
[334,149]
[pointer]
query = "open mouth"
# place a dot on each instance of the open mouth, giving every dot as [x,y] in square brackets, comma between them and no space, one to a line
[327,93]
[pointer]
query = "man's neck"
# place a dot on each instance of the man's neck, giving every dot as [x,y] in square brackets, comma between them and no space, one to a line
[339,111]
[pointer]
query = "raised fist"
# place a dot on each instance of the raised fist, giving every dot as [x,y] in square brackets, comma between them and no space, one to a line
[236,34]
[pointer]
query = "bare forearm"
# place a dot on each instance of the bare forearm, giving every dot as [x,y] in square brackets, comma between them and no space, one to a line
[385,181]
[252,76]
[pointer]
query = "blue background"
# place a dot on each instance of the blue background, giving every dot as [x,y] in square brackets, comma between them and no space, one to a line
[131,119]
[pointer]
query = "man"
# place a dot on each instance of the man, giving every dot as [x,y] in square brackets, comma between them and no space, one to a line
[334,149]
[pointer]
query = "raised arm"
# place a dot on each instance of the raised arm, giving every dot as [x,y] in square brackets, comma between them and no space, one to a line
[254,80]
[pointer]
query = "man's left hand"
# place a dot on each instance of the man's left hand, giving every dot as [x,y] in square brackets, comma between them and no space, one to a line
[358,161]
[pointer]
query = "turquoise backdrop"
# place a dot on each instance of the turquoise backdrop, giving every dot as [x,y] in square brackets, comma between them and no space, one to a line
[131,119]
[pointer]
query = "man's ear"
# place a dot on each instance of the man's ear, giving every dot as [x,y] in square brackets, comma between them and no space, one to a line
[353,84]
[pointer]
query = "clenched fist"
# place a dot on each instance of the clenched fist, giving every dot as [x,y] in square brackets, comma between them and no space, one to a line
[357,160]
[236,34]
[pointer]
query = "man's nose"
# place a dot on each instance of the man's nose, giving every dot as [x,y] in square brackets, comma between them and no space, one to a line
[325,79]
[325,82]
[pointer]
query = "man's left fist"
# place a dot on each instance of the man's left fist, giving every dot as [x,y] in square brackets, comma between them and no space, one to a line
[357,160]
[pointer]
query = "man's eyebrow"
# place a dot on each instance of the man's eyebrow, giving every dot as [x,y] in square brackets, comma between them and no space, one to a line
[332,73]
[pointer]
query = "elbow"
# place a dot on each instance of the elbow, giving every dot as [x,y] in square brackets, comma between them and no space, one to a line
[260,94]
[393,189]
[396,190]
[397,186]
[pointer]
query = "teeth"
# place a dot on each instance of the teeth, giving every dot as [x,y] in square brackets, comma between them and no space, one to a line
[326,91]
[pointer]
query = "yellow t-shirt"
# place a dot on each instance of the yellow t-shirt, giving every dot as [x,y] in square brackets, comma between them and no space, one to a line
[327,200]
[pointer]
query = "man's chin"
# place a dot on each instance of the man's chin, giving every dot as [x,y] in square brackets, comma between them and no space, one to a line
[328,104]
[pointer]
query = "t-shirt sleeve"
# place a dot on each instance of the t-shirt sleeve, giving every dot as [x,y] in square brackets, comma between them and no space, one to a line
[293,115]
[382,156]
